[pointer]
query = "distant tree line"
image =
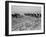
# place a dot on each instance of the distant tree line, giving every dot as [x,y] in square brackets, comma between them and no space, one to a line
[37,15]
[17,15]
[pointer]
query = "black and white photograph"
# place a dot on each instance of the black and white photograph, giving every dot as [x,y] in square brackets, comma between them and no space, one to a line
[25,18]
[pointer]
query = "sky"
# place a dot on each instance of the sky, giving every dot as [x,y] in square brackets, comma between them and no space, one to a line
[25,9]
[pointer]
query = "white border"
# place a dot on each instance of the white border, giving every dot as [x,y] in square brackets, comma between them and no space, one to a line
[24,32]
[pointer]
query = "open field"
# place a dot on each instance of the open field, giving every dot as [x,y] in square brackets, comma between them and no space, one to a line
[26,23]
